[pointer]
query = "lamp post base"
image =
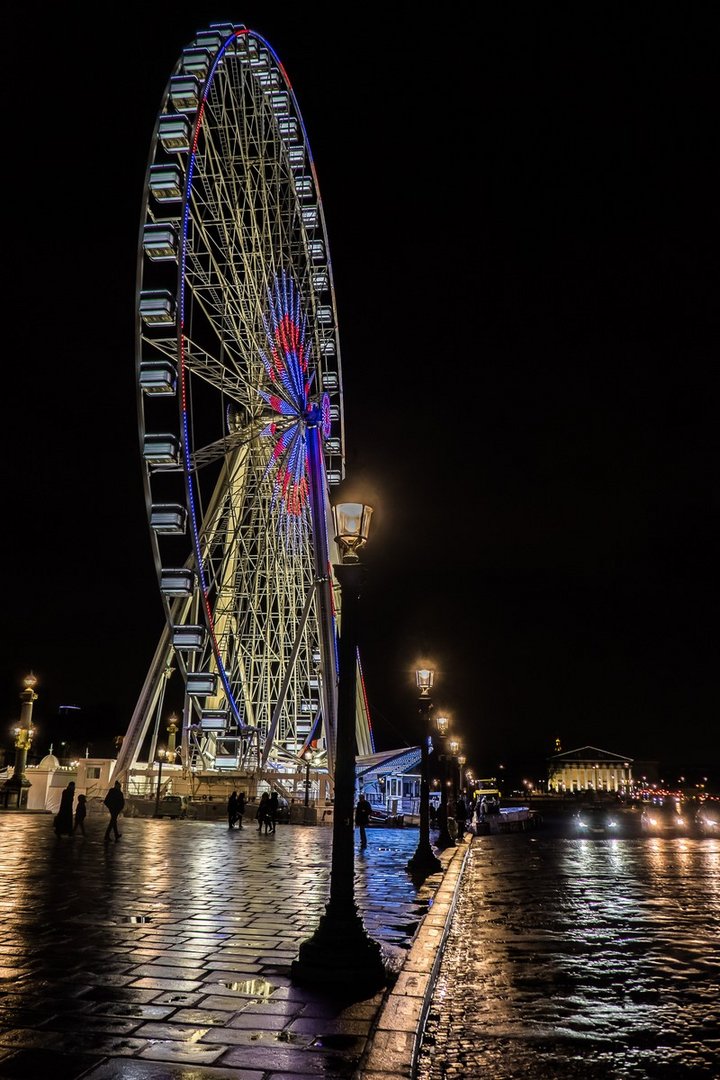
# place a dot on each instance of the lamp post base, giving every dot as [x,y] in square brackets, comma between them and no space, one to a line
[424,862]
[340,956]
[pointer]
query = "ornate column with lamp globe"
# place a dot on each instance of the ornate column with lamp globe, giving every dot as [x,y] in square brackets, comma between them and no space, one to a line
[444,839]
[340,954]
[454,747]
[15,789]
[462,761]
[161,756]
[424,862]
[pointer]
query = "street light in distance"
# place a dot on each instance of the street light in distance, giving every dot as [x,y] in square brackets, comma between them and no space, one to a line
[424,862]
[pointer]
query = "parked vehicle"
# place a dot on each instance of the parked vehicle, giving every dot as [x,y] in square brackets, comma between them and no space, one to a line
[665,819]
[173,806]
[598,820]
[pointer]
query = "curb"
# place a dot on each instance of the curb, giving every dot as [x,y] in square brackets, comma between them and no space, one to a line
[394,1041]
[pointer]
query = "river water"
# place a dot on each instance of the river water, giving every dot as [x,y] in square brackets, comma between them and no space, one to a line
[578,958]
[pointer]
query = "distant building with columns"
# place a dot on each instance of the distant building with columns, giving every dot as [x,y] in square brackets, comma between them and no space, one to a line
[589,769]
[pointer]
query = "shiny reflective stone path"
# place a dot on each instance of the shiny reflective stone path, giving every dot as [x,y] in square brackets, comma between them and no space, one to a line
[167,954]
[580,958]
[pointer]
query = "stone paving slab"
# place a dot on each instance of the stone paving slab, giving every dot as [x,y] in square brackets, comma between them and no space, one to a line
[167,955]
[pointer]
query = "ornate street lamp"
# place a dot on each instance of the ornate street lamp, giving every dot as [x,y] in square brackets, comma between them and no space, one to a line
[444,839]
[454,748]
[311,760]
[424,862]
[462,760]
[162,754]
[340,954]
[15,790]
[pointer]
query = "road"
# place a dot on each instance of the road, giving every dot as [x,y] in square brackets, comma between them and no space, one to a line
[573,958]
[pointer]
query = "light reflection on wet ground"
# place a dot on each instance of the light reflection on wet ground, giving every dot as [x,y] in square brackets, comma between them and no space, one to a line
[573,958]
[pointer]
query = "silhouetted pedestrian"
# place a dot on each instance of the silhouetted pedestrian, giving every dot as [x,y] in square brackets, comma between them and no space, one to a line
[115,801]
[80,814]
[241,802]
[263,812]
[273,811]
[232,809]
[63,823]
[362,819]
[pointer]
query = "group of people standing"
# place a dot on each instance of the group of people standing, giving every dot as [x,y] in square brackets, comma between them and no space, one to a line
[70,818]
[266,813]
[465,810]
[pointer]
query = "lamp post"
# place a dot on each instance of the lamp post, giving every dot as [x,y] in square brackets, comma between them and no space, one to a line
[15,790]
[454,747]
[340,954]
[444,839]
[162,754]
[462,760]
[424,862]
[311,759]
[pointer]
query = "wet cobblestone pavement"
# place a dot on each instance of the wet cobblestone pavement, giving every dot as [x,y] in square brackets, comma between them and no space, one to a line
[167,955]
[578,958]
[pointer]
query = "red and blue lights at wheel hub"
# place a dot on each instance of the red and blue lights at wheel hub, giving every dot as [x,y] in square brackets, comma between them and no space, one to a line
[286,362]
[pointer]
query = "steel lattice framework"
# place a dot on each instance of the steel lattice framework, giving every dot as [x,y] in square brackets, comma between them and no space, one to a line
[240,415]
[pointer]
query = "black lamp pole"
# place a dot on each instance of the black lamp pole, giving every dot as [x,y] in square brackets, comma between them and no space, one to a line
[307,783]
[424,862]
[157,794]
[340,955]
[444,839]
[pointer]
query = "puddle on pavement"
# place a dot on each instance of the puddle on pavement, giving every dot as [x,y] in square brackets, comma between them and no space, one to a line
[259,988]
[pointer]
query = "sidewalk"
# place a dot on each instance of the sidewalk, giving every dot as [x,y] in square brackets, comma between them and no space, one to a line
[167,955]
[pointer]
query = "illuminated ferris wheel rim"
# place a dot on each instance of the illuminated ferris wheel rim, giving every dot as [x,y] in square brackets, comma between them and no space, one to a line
[320,399]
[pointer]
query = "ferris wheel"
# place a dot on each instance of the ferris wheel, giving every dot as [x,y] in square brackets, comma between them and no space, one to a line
[240,411]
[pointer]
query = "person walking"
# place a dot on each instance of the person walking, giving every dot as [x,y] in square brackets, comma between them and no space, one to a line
[263,812]
[115,802]
[63,822]
[80,814]
[273,811]
[241,802]
[362,819]
[232,809]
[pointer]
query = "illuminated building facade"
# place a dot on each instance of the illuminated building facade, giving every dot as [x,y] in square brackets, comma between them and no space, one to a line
[589,769]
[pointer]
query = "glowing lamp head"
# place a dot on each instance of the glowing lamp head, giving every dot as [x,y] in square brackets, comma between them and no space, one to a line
[424,677]
[352,525]
[442,724]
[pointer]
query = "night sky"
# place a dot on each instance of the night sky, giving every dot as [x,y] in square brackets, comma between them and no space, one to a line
[522,215]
